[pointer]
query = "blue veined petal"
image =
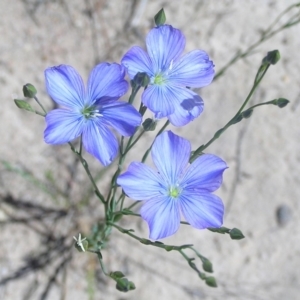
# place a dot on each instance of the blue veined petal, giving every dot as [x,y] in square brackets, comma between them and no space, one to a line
[202,210]
[170,154]
[194,69]
[62,126]
[122,116]
[137,60]
[65,86]
[106,80]
[164,44]
[140,182]
[205,173]
[187,110]
[159,99]
[162,215]
[99,141]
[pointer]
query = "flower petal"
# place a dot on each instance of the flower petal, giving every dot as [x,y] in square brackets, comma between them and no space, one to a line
[162,215]
[137,60]
[159,99]
[205,173]
[194,69]
[106,80]
[140,182]
[122,116]
[164,44]
[170,154]
[99,141]
[63,126]
[65,86]
[202,210]
[188,109]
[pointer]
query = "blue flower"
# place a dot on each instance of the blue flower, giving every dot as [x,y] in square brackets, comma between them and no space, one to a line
[176,187]
[170,74]
[90,112]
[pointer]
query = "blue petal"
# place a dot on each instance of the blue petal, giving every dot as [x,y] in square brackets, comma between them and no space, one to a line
[187,110]
[122,116]
[194,69]
[170,154]
[137,60]
[99,141]
[65,86]
[106,80]
[164,44]
[63,126]
[140,182]
[159,99]
[162,215]
[202,210]
[205,173]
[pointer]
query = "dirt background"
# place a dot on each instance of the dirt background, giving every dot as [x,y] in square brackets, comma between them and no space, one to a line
[261,187]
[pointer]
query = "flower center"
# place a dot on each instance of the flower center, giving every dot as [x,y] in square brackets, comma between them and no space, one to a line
[159,79]
[174,191]
[91,112]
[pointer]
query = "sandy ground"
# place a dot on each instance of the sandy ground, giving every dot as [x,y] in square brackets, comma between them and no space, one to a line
[262,153]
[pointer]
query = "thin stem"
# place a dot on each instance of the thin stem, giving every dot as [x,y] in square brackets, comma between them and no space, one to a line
[267,34]
[40,104]
[233,120]
[160,131]
[87,170]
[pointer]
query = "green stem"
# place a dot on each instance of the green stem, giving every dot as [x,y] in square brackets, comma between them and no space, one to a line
[233,120]
[40,104]
[87,170]
[160,131]
[267,34]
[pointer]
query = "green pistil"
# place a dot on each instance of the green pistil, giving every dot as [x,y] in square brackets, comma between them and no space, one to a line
[90,112]
[174,192]
[159,79]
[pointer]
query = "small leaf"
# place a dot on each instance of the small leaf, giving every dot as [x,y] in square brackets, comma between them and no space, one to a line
[247,113]
[22,104]
[145,241]
[117,274]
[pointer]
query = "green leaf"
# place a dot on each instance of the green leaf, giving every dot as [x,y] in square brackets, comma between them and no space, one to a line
[117,274]
[22,104]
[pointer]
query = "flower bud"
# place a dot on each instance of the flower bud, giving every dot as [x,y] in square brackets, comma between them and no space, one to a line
[272,57]
[211,281]
[282,102]
[236,234]
[22,104]
[29,90]
[141,79]
[160,18]
[149,124]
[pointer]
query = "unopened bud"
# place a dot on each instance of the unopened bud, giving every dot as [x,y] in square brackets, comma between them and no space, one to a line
[160,18]
[29,90]
[272,57]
